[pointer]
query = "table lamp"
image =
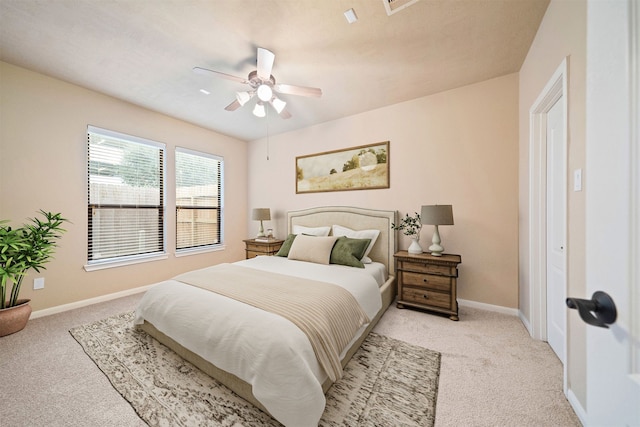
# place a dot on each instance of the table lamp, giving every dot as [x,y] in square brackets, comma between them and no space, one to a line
[261,214]
[436,215]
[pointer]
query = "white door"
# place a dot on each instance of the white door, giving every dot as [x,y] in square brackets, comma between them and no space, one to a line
[612,217]
[556,226]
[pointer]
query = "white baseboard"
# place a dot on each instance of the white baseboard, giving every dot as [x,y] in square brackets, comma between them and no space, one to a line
[87,302]
[488,307]
[525,322]
[577,407]
[109,297]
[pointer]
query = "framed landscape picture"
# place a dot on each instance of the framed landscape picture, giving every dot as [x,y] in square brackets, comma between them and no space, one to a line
[365,167]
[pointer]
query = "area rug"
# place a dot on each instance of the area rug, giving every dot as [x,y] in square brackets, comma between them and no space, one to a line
[387,382]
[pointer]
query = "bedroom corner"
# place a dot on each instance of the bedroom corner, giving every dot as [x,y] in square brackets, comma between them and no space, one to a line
[44,129]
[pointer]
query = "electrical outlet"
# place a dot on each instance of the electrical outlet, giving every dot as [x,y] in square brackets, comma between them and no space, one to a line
[38,283]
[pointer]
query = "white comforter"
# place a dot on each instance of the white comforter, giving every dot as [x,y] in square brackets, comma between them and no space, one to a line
[263,349]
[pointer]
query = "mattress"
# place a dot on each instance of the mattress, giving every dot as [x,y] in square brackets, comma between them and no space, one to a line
[263,349]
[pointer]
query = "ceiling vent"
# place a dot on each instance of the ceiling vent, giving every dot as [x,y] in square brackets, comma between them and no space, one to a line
[393,6]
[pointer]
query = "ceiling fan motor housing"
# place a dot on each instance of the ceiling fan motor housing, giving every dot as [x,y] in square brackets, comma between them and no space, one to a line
[256,81]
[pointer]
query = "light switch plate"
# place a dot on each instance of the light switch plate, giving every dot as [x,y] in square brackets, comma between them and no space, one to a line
[38,283]
[577,180]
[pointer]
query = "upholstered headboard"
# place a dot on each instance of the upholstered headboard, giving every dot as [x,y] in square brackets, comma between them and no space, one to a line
[355,219]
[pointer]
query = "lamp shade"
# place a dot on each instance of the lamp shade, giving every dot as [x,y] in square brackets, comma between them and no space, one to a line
[437,215]
[244,97]
[261,214]
[278,104]
[259,110]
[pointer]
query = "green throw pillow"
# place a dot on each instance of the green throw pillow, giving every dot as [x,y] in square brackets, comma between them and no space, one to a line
[348,251]
[286,246]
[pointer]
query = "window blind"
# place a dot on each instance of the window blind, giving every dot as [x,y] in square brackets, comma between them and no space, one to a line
[126,196]
[198,199]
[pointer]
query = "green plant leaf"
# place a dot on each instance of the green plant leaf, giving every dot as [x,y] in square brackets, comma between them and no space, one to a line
[27,247]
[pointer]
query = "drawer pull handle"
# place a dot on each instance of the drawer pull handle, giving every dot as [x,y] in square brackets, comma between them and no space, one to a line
[425,280]
[425,296]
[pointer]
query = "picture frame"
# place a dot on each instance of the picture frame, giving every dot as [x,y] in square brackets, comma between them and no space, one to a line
[365,167]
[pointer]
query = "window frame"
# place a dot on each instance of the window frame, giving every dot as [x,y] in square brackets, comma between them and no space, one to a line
[220,209]
[122,260]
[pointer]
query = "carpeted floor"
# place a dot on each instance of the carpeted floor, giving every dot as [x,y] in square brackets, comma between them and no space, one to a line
[492,373]
[387,382]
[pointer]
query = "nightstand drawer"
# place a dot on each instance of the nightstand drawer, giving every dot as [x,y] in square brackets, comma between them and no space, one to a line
[440,283]
[430,268]
[426,297]
[257,247]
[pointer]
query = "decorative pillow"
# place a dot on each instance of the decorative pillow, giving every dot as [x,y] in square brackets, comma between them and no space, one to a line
[286,246]
[311,231]
[372,235]
[348,251]
[312,248]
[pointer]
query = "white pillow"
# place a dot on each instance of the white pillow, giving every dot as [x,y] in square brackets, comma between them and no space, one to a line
[372,235]
[312,248]
[311,231]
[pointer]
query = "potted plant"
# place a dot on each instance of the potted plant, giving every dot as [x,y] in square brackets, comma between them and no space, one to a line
[411,226]
[21,249]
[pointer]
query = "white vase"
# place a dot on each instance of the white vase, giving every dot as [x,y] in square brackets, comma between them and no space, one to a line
[415,247]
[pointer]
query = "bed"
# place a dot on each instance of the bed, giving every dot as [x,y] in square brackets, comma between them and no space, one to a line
[264,357]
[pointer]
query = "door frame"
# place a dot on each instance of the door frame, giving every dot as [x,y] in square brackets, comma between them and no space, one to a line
[555,89]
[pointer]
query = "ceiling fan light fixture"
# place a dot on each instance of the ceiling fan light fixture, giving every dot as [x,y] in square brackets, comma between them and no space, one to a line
[278,104]
[262,83]
[264,93]
[243,97]
[259,110]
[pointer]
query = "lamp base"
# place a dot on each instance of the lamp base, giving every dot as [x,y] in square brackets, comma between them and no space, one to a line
[261,231]
[436,249]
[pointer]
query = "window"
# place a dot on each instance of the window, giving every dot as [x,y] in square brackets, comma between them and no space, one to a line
[198,200]
[126,197]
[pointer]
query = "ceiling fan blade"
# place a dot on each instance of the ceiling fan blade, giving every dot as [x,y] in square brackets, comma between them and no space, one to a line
[233,106]
[285,114]
[297,90]
[265,63]
[207,72]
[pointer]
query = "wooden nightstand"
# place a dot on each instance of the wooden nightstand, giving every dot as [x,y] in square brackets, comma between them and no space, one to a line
[428,282]
[255,248]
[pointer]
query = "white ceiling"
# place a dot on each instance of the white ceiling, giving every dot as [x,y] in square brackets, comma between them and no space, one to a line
[143,51]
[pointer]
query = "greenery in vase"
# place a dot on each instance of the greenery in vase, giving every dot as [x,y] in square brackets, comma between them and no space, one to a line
[409,225]
[24,248]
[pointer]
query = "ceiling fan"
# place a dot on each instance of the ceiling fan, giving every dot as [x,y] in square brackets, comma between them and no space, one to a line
[263,85]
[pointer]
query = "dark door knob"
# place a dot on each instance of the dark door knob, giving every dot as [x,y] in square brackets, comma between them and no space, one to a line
[600,310]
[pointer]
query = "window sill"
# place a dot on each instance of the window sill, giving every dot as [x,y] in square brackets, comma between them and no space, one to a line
[195,251]
[98,265]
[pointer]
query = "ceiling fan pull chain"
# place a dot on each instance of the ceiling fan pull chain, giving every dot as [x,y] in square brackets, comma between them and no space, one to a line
[267,117]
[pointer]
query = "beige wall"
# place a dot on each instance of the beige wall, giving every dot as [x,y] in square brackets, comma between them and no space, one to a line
[562,34]
[43,165]
[457,147]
